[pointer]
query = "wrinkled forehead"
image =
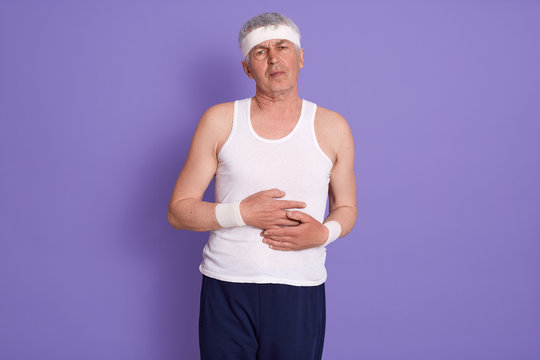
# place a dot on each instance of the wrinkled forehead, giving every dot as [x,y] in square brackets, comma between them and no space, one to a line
[262,34]
[272,42]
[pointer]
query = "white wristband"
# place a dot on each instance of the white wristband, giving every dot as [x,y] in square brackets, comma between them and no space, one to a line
[334,231]
[228,215]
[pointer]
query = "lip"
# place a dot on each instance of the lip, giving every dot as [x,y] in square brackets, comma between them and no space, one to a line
[276,73]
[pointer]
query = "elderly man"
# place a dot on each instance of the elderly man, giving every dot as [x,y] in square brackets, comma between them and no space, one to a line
[277,159]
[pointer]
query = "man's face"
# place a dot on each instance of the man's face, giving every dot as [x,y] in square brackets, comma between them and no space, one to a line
[274,65]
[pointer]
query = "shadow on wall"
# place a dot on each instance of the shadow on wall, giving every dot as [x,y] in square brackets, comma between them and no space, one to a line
[174,255]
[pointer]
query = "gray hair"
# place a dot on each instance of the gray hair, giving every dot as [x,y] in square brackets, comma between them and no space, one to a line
[266,19]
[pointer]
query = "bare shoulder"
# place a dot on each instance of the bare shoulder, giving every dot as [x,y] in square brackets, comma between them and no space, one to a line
[332,131]
[216,124]
[220,115]
[330,122]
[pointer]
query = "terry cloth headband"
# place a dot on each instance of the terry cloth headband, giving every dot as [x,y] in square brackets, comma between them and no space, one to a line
[270,32]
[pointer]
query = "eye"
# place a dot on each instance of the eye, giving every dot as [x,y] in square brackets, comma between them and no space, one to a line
[260,52]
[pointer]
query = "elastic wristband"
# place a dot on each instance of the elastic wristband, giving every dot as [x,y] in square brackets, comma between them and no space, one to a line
[228,215]
[334,230]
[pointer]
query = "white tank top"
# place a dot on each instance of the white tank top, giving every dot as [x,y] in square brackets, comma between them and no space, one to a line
[248,163]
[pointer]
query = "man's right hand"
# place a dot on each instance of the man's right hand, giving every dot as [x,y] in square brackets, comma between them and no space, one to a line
[263,211]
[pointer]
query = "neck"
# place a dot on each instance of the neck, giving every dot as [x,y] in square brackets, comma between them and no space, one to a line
[284,103]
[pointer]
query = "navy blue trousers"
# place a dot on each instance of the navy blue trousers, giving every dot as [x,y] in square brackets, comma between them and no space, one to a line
[247,321]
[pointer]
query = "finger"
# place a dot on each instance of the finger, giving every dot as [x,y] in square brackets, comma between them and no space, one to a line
[278,245]
[265,232]
[300,216]
[275,193]
[279,238]
[281,231]
[275,226]
[287,222]
[274,242]
[291,204]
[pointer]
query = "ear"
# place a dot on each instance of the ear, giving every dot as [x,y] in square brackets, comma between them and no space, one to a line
[301,58]
[246,69]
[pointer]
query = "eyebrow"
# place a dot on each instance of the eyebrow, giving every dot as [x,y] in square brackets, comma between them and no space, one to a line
[280,42]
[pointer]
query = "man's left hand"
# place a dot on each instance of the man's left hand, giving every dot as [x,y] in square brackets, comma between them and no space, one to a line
[309,233]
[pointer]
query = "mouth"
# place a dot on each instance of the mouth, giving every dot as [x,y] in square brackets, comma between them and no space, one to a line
[276,73]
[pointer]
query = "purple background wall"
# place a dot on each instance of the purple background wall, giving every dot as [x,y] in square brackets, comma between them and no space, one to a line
[99,100]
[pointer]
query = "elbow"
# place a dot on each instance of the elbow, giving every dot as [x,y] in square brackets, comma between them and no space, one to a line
[179,222]
[174,215]
[354,213]
[181,216]
[353,216]
[174,221]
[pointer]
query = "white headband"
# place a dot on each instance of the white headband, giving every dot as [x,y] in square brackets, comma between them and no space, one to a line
[261,34]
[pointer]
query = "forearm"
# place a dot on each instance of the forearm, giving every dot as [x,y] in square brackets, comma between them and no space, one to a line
[193,214]
[345,216]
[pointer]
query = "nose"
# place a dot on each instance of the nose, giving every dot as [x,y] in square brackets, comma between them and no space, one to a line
[272,56]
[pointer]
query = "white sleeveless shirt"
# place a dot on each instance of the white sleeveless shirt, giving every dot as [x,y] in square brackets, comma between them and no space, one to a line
[248,163]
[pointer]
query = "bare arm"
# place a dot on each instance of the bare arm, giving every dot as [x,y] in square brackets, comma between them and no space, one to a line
[342,189]
[342,193]
[186,208]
